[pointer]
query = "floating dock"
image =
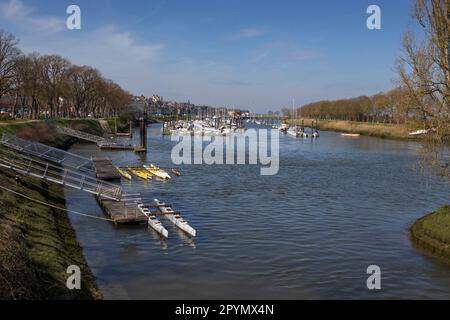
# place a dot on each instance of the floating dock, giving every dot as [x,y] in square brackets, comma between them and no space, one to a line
[105,170]
[115,146]
[122,212]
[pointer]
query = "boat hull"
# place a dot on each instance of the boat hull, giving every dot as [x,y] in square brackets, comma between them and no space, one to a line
[153,222]
[176,219]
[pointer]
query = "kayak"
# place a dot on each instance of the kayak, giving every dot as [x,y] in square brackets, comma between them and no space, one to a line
[153,222]
[140,172]
[157,172]
[124,173]
[175,218]
[176,172]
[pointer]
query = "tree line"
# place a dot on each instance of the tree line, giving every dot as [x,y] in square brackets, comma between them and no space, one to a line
[423,86]
[423,82]
[51,86]
[390,107]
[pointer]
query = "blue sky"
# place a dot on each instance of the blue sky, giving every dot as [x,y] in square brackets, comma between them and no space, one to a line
[256,55]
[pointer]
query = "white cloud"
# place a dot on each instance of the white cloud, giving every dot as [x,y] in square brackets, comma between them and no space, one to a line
[17,12]
[246,33]
[305,54]
[111,40]
[260,57]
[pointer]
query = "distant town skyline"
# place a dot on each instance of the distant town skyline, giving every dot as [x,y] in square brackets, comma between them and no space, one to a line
[255,55]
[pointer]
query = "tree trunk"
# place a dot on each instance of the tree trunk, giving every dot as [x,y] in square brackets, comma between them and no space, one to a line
[448,45]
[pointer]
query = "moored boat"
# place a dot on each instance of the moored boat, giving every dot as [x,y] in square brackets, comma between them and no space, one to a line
[157,172]
[153,222]
[350,134]
[174,217]
[141,173]
[123,173]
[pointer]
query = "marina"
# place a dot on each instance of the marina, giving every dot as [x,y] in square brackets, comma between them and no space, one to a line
[224,151]
[28,157]
[295,253]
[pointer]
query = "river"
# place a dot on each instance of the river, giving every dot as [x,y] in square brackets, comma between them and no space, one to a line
[336,206]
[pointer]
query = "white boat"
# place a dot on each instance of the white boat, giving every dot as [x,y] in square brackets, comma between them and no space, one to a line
[182,132]
[421,132]
[212,132]
[153,222]
[350,134]
[175,218]
[157,172]
[293,132]
[284,127]
[227,131]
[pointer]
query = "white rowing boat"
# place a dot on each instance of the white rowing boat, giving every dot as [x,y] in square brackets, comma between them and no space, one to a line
[350,134]
[158,172]
[153,221]
[175,218]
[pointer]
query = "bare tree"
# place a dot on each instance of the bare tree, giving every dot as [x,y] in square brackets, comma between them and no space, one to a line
[52,84]
[54,74]
[8,55]
[424,72]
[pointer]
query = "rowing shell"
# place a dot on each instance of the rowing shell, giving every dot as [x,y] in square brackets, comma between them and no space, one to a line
[175,218]
[153,221]
[141,173]
[124,173]
[350,134]
[157,172]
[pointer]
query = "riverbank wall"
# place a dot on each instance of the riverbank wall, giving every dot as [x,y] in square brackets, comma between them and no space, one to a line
[431,234]
[37,242]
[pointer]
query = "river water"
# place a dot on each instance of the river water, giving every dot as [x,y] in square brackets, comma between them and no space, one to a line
[336,206]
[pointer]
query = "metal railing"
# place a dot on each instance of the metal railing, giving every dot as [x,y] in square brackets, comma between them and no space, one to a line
[43,170]
[58,156]
[82,135]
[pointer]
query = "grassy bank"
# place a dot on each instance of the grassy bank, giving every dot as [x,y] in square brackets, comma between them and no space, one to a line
[380,130]
[432,233]
[37,243]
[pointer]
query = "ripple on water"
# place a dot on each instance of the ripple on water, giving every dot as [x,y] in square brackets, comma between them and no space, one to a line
[336,206]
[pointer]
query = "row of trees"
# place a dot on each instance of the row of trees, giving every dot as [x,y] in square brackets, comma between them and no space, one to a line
[423,86]
[50,85]
[391,107]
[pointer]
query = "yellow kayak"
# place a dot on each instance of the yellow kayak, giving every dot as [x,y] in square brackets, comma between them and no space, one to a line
[140,172]
[158,172]
[124,173]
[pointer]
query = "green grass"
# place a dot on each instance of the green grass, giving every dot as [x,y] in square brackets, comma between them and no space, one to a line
[437,225]
[91,126]
[37,243]
[44,240]
[432,233]
[381,130]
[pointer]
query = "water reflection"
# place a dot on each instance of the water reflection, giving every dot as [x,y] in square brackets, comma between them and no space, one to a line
[336,206]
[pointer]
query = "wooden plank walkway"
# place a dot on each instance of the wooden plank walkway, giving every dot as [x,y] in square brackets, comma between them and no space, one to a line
[122,212]
[105,170]
[114,146]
